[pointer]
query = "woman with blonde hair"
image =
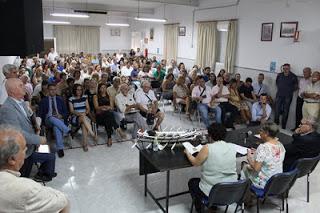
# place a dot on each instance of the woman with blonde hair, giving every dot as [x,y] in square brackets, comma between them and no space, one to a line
[181,94]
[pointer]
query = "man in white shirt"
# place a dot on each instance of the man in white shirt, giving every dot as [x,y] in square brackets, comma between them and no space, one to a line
[220,95]
[148,104]
[261,110]
[126,70]
[311,96]
[9,71]
[18,194]
[127,105]
[202,95]
[303,83]
[53,55]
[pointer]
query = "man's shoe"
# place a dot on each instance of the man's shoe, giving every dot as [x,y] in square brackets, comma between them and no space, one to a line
[42,178]
[60,153]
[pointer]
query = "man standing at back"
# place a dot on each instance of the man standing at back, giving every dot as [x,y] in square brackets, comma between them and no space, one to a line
[287,83]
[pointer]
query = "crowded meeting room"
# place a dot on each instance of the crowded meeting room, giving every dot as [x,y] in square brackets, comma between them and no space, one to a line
[177,106]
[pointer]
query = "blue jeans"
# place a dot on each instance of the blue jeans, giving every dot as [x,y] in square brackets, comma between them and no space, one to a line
[59,130]
[47,161]
[204,109]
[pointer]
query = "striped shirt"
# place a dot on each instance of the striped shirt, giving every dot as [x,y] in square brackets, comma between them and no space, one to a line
[79,105]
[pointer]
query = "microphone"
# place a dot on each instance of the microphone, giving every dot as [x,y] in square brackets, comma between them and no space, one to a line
[248,133]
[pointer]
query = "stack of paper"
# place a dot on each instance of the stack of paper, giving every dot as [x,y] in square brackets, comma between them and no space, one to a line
[43,149]
[192,149]
[240,149]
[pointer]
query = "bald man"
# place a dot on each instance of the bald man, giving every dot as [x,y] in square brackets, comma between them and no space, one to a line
[15,112]
[19,194]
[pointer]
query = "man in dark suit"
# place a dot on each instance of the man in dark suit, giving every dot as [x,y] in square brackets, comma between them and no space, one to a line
[53,113]
[15,112]
[305,144]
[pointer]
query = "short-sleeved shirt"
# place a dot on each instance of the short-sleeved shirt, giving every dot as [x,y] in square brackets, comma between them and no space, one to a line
[162,74]
[134,73]
[79,104]
[225,91]
[180,91]
[246,91]
[271,156]
[259,89]
[313,88]
[145,98]
[286,85]
[197,90]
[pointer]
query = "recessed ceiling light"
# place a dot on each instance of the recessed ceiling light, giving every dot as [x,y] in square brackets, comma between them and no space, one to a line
[150,19]
[71,15]
[55,22]
[118,24]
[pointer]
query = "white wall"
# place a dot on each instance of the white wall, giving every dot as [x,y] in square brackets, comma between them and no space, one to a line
[114,43]
[48,31]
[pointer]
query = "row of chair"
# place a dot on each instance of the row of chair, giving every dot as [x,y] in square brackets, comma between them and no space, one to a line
[225,194]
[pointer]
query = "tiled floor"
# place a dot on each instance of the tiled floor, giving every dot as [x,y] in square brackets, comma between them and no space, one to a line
[107,180]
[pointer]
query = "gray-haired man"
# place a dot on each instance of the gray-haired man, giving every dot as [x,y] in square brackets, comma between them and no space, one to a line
[9,71]
[18,194]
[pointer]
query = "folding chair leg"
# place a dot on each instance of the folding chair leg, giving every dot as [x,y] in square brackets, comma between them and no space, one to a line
[191,209]
[282,203]
[242,208]
[287,205]
[258,204]
[225,211]
[308,188]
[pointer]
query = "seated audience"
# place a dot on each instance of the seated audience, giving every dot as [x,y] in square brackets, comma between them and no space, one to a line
[135,71]
[226,79]
[15,112]
[247,94]
[221,73]
[104,112]
[236,100]
[202,95]
[261,110]
[311,96]
[267,160]
[127,105]
[181,94]
[220,96]
[79,109]
[305,144]
[218,164]
[112,91]
[53,112]
[237,76]
[18,194]
[167,87]
[127,69]
[90,92]
[259,87]
[148,105]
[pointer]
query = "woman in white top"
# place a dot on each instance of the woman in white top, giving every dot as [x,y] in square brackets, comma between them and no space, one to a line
[267,160]
[218,164]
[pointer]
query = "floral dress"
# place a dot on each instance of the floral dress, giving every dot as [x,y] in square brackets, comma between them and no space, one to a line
[271,156]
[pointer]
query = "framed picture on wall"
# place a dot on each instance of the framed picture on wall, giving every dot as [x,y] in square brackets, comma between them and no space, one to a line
[288,29]
[115,32]
[266,31]
[182,31]
[151,34]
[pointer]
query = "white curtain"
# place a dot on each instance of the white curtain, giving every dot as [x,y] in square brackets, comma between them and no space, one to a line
[231,47]
[77,39]
[207,44]
[170,50]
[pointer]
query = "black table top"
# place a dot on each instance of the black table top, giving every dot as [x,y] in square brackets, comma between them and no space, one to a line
[168,159]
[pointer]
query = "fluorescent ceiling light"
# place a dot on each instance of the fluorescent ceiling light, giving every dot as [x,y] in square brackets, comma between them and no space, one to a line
[118,24]
[72,15]
[150,19]
[56,22]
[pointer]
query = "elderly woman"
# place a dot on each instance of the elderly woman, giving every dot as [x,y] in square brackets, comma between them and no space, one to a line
[218,164]
[267,160]
[181,94]
[167,86]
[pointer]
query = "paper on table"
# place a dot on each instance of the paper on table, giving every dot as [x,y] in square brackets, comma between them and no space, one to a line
[192,149]
[240,149]
[43,149]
